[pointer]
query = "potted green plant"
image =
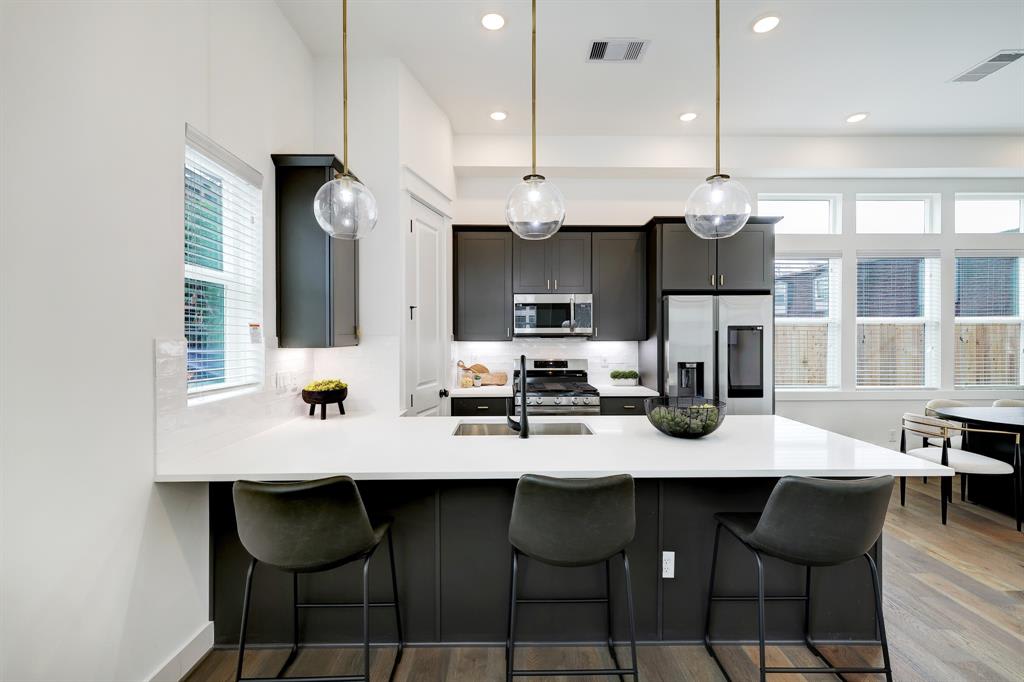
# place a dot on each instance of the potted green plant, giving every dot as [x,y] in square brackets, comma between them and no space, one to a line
[324,392]
[625,377]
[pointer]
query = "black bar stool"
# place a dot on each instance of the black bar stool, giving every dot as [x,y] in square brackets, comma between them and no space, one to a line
[308,527]
[572,523]
[809,522]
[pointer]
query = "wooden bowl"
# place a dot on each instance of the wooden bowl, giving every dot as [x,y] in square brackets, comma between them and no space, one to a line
[324,398]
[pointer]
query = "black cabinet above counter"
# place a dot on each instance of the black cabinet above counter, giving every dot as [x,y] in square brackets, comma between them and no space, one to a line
[742,263]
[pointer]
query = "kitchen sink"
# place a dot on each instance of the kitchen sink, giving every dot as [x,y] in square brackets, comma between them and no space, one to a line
[539,429]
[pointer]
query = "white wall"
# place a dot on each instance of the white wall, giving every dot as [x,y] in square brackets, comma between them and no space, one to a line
[105,575]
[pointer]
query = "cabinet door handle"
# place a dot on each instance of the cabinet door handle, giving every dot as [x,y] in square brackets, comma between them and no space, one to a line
[629,407]
[508,332]
[721,280]
[483,407]
[712,280]
[556,285]
[548,287]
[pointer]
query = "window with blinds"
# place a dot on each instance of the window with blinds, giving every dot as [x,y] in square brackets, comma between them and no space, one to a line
[897,321]
[223,268]
[989,321]
[807,323]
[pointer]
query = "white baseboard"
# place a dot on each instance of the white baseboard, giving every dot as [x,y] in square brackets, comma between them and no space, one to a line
[190,653]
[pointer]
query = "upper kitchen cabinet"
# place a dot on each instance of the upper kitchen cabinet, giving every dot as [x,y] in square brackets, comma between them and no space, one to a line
[740,263]
[620,280]
[745,260]
[483,286]
[560,264]
[687,261]
[317,277]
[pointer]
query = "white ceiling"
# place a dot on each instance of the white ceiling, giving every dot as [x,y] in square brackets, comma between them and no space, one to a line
[826,60]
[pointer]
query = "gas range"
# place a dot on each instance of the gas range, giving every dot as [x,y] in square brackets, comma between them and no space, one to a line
[558,387]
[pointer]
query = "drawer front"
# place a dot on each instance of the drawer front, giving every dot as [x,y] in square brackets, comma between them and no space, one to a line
[622,406]
[485,407]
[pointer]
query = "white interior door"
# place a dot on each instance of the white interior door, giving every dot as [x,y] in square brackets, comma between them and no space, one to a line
[424,319]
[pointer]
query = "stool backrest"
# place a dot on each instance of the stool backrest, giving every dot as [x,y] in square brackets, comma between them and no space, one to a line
[929,427]
[573,522]
[1008,402]
[816,521]
[304,524]
[937,403]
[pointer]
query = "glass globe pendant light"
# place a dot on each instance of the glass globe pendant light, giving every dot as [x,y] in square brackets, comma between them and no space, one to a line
[535,208]
[345,207]
[720,207]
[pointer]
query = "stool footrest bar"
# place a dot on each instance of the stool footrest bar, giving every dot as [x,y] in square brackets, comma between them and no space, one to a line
[794,598]
[589,600]
[560,672]
[357,605]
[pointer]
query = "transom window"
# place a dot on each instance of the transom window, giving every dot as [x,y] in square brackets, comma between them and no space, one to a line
[989,322]
[897,213]
[989,213]
[807,323]
[897,321]
[802,213]
[223,268]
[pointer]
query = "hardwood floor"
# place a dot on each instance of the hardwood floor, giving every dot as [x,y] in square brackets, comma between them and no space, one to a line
[954,606]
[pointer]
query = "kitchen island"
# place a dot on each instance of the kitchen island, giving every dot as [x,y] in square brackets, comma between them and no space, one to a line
[450,497]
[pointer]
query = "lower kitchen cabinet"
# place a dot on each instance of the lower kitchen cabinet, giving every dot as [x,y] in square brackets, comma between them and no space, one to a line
[487,407]
[622,406]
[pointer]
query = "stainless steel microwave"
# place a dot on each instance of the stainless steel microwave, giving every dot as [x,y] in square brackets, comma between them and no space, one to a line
[553,314]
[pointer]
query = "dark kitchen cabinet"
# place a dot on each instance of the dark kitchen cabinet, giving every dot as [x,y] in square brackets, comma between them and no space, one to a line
[488,407]
[746,259]
[619,279]
[559,264]
[483,286]
[740,263]
[317,277]
[687,261]
[623,406]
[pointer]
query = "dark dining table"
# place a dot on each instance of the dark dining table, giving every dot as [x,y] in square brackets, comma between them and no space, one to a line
[995,492]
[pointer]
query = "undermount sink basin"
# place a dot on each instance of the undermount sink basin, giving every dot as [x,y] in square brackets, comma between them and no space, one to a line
[539,429]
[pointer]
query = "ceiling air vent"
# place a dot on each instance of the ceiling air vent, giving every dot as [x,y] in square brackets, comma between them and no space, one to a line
[617,50]
[989,66]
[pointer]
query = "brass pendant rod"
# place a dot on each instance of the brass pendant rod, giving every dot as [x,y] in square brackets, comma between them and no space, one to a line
[533,90]
[718,89]
[344,86]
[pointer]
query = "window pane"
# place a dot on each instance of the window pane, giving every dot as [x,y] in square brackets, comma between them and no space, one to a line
[890,287]
[802,355]
[988,215]
[204,227]
[204,332]
[987,287]
[806,285]
[807,295]
[988,354]
[891,355]
[799,216]
[905,216]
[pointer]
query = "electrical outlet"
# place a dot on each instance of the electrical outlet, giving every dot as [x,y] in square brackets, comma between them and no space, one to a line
[668,564]
[892,435]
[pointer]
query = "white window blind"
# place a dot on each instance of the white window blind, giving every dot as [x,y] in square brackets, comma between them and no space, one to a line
[802,214]
[989,213]
[807,322]
[898,320]
[989,322]
[897,213]
[223,268]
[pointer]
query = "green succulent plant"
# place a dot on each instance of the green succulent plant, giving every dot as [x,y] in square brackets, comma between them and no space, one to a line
[326,385]
[624,374]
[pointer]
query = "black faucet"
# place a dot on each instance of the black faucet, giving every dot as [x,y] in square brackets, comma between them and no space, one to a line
[523,425]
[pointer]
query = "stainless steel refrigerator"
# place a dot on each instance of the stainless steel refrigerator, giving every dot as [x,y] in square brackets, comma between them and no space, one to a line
[721,347]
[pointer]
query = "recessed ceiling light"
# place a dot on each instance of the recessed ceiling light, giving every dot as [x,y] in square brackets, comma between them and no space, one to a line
[765,24]
[857,118]
[492,22]
[687,117]
[498,115]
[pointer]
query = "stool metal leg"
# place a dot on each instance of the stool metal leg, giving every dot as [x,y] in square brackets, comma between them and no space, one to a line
[366,618]
[903,491]
[880,617]
[632,616]
[245,619]
[398,608]
[707,610]
[608,610]
[760,615]
[510,644]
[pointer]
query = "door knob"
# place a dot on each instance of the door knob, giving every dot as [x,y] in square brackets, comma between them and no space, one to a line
[443,393]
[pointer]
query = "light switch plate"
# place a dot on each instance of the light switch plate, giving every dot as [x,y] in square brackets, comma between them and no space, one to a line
[668,564]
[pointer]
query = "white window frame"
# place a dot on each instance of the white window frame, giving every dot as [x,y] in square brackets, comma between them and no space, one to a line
[239,346]
[932,212]
[833,322]
[835,205]
[990,196]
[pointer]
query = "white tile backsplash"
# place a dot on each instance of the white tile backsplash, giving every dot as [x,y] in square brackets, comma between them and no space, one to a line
[602,356]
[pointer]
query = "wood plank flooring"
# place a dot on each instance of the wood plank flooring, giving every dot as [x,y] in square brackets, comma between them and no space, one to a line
[954,607]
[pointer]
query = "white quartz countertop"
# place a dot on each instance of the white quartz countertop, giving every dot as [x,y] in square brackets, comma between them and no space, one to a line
[606,391]
[372,447]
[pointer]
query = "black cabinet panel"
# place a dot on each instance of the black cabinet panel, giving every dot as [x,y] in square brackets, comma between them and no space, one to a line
[623,406]
[687,261]
[317,277]
[620,289]
[483,407]
[532,263]
[483,286]
[571,261]
[745,260]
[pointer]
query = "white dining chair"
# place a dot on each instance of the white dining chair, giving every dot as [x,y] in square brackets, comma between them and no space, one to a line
[1008,402]
[961,461]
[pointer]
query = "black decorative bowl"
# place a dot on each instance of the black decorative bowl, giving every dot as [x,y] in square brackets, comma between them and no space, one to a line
[324,398]
[685,417]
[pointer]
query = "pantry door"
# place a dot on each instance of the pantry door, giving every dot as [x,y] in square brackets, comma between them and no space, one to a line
[424,362]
